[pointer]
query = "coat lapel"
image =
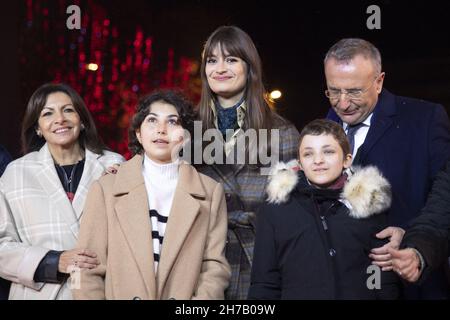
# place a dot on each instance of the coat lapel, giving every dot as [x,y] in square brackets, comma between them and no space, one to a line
[49,180]
[185,208]
[92,171]
[381,122]
[133,215]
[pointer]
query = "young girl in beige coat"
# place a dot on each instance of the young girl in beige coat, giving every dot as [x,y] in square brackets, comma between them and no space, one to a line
[158,226]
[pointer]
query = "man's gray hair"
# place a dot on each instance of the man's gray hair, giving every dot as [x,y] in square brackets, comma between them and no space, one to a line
[346,49]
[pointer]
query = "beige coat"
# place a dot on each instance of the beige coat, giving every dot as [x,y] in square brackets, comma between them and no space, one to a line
[117,226]
[36,216]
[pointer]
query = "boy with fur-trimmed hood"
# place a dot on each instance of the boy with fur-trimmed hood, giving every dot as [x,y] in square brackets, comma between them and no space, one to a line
[314,235]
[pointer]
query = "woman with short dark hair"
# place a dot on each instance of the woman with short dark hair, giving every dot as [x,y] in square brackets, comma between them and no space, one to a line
[42,194]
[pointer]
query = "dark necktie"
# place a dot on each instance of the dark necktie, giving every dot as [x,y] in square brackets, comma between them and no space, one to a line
[351,131]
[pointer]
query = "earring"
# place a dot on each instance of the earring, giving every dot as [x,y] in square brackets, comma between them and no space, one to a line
[82,126]
[39,133]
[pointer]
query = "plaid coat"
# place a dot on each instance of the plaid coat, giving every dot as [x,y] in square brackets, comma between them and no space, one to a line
[36,216]
[244,187]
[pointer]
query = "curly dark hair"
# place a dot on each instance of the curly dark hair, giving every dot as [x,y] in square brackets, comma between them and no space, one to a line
[174,97]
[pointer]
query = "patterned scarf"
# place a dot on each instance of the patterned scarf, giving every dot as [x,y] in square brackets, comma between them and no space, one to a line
[227,117]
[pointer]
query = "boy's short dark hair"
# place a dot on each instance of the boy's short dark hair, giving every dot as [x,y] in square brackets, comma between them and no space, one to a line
[324,126]
[173,97]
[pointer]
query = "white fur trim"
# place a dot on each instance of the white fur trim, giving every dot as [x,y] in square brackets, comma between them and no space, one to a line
[367,192]
[282,180]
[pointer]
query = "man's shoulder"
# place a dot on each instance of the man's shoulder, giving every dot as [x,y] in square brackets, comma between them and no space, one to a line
[4,154]
[408,109]
[282,123]
[411,104]
[288,132]
[5,158]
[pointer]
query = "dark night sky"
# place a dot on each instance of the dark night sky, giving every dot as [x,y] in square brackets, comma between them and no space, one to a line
[292,39]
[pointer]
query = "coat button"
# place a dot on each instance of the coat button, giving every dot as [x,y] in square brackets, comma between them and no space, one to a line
[332,252]
[137,298]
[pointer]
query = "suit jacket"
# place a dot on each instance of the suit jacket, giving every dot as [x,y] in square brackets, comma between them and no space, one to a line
[409,141]
[117,227]
[36,216]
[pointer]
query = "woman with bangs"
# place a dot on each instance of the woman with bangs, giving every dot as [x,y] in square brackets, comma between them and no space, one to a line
[233,102]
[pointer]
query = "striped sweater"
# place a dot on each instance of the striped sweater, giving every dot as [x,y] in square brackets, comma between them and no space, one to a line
[160,182]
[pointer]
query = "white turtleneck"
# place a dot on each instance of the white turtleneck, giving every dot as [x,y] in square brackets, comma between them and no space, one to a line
[160,181]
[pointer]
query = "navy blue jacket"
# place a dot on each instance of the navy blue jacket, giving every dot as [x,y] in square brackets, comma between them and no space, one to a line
[5,158]
[409,141]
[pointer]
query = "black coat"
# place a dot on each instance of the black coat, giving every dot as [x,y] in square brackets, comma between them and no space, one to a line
[311,248]
[429,232]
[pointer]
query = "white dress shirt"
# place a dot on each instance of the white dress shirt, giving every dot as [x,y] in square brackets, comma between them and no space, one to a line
[360,135]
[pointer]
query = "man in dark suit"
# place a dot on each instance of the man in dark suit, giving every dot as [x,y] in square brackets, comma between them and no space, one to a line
[407,139]
[5,158]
